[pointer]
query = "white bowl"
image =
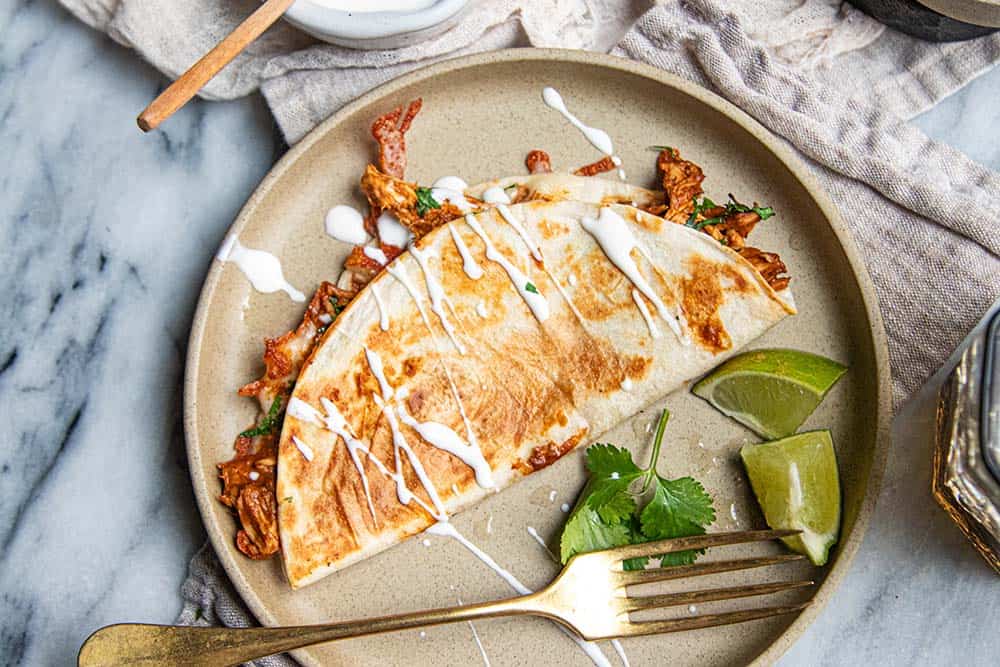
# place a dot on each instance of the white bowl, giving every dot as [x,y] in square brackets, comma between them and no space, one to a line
[373,30]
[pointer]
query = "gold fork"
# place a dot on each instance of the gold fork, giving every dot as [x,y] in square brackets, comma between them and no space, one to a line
[589,597]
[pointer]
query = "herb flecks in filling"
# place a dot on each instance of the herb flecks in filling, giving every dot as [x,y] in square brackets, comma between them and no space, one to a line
[266,425]
[425,201]
[714,214]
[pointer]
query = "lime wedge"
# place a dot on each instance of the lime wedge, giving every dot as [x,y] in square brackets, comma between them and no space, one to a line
[797,485]
[770,391]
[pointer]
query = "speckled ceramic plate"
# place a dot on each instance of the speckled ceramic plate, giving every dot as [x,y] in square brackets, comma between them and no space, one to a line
[481,115]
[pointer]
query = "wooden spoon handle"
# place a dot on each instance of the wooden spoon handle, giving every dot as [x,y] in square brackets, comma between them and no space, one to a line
[184,88]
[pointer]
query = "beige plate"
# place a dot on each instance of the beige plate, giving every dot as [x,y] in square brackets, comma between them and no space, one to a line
[481,116]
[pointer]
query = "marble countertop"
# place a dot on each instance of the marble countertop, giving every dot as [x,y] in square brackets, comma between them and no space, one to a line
[107,235]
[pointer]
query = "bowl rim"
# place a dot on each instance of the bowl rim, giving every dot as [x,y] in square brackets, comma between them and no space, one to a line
[316,18]
[846,548]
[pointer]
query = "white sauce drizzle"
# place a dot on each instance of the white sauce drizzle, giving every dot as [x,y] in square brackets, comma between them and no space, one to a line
[254,475]
[303,411]
[371,252]
[538,538]
[451,183]
[378,370]
[400,275]
[590,648]
[346,224]
[383,313]
[598,138]
[451,189]
[399,443]
[508,215]
[469,264]
[496,195]
[261,268]
[481,309]
[304,449]
[336,424]
[479,643]
[644,311]
[444,529]
[612,233]
[536,302]
[617,645]
[447,440]
[438,297]
[391,231]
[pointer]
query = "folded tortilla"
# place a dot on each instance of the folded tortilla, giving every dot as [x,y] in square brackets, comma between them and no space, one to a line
[555,186]
[501,342]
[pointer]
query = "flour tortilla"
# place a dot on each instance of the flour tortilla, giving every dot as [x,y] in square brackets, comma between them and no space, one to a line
[559,186]
[532,391]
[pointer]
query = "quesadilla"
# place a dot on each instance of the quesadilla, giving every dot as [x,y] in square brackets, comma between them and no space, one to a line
[496,344]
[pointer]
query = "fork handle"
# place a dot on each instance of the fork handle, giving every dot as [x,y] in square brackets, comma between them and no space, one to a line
[148,645]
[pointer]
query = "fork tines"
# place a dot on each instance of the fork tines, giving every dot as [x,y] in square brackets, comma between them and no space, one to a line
[697,542]
[634,604]
[709,620]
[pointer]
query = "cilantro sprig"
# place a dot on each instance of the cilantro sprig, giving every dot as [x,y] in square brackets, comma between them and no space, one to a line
[731,207]
[425,201]
[670,149]
[266,424]
[608,512]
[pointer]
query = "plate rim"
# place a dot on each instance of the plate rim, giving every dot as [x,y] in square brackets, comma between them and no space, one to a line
[207,498]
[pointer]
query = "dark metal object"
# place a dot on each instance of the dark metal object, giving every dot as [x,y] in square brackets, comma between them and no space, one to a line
[919,21]
[990,409]
[966,482]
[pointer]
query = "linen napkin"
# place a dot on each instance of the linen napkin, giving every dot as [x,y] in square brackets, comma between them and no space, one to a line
[822,76]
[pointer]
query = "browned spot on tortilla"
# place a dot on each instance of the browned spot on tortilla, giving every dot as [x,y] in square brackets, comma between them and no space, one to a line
[415,401]
[602,289]
[739,281]
[651,222]
[637,367]
[411,365]
[702,298]
[547,454]
[551,229]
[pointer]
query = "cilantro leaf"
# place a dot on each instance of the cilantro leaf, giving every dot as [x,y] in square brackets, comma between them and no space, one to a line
[608,512]
[425,201]
[530,287]
[614,506]
[612,472]
[266,425]
[679,508]
[585,532]
[603,460]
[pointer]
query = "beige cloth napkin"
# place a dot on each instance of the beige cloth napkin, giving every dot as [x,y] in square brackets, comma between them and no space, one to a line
[827,79]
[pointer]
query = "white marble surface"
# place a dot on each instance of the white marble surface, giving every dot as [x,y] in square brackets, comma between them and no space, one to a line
[106,236]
